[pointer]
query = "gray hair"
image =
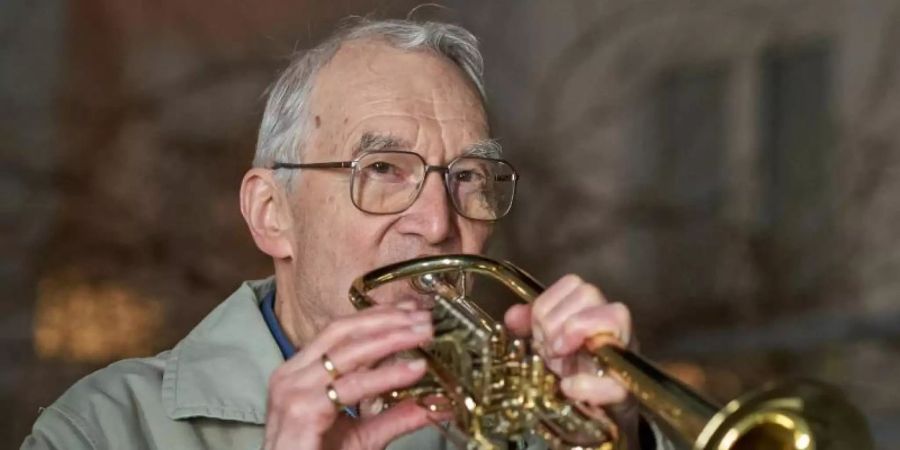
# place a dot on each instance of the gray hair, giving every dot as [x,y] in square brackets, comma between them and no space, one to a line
[283,131]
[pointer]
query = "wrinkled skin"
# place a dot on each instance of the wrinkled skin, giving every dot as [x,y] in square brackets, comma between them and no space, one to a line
[320,242]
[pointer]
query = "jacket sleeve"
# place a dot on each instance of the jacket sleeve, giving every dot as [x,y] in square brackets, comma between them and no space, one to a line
[59,429]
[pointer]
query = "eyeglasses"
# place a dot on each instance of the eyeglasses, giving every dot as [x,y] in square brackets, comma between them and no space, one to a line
[389,182]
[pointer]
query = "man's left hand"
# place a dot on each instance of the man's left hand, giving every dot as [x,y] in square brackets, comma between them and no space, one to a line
[559,322]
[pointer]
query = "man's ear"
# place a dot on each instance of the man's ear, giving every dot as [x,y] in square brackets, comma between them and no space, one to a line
[265,209]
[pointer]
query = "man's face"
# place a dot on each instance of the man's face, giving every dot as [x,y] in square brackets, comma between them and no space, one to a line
[423,104]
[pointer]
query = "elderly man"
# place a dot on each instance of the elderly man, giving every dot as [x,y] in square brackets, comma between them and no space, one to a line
[342,183]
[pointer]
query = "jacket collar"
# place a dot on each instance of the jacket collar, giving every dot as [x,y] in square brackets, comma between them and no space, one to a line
[221,369]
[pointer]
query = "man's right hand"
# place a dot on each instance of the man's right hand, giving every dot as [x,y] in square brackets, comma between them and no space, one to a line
[300,414]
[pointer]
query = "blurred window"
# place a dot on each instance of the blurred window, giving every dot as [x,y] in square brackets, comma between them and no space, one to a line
[689,114]
[796,156]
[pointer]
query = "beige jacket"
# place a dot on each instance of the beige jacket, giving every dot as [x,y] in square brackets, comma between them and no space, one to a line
[209,392]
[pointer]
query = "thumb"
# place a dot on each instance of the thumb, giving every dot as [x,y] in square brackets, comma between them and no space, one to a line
[518,320]
[378,431]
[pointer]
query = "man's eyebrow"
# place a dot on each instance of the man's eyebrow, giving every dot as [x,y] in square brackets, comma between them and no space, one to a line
[375,142]
[486,148]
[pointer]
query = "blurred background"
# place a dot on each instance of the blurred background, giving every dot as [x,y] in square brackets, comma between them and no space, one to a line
[730,169]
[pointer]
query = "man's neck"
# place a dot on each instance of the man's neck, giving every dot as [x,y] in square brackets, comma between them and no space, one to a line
[297,326]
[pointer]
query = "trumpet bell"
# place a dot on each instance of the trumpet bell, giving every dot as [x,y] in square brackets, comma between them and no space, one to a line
[795,415]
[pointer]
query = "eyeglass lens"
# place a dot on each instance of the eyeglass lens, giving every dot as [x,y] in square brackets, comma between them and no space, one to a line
[389,182]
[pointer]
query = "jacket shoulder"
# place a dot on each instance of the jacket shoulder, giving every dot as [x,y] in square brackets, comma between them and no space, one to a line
[121,384]
[105,409]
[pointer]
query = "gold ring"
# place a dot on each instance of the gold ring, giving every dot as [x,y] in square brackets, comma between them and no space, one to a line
[603,338]
[330,367]
[332,395]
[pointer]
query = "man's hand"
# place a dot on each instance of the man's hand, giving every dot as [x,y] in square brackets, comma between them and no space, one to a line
[300,413]
[559,322]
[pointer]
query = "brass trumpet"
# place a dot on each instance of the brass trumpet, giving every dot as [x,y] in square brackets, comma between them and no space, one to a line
[499,390]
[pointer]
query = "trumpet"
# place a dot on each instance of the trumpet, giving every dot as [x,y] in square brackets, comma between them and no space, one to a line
[498,390]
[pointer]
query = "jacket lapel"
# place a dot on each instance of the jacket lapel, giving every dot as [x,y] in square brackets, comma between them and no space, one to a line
[221,369]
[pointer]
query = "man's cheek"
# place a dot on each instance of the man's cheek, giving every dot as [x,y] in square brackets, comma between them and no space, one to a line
[386,294]
[400,291]
[475,237]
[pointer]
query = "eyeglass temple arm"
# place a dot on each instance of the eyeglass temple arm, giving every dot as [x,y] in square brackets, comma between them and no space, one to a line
[322,165]
[349,164]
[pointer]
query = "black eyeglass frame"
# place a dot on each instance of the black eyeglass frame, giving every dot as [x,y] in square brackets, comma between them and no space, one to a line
[444,170]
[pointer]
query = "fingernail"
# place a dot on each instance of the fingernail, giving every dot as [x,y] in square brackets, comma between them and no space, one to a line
[538,334]
[416,364]
[558,345]
[421,328]
[421,316]
[377,405]
[566,384]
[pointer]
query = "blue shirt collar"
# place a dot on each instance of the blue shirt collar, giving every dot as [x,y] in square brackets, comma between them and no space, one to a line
[284,344]
[268,312]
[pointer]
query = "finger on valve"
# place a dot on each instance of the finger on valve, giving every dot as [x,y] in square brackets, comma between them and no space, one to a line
[352,388]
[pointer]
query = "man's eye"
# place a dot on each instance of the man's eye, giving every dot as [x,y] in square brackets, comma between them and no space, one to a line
[381,167]
[469,176]
[386,171]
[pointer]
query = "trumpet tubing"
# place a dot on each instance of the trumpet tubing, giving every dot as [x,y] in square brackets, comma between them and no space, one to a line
[498,389]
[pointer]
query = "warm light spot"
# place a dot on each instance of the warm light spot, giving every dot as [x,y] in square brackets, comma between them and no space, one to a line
[802,442]
[77,320]
[689,374]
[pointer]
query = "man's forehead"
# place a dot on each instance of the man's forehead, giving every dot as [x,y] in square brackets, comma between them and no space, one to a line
[377,77]
[370,89]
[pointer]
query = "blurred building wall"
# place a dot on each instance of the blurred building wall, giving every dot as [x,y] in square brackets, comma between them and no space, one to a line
[31,52]
[726,168]
[129,126]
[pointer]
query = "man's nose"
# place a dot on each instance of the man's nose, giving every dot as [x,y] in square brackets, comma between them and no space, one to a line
[431,216]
